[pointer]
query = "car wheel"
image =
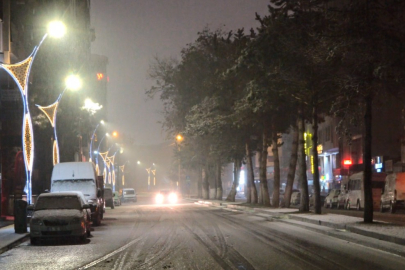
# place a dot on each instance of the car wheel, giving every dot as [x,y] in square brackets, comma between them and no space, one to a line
[381,207]
[392,208]
[97,220]
[34,241]
[358,207]
[83,238]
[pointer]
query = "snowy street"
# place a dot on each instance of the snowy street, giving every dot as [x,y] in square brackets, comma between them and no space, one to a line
[190,236]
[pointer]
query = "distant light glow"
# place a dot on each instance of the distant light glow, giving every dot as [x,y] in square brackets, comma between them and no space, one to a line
[179,138]
[347,162]
[92,107]
[100,76]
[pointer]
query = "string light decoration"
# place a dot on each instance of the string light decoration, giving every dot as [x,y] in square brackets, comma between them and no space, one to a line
[20,72]
[28,142]
[50,112]
[104,157]
[154,176]
[110,164]
[148,170]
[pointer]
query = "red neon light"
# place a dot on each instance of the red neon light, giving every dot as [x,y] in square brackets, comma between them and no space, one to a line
[100,76]
[347,162]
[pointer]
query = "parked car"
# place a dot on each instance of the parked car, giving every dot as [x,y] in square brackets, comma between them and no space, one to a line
[108,197]
[342,199]
[64,214]
[312,199]
[116,198]
[331,200]
[128,194]
[166,196]
[281,197]
[295,198]
[393,193]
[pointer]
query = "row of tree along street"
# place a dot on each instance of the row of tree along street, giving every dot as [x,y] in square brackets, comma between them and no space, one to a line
[232,94]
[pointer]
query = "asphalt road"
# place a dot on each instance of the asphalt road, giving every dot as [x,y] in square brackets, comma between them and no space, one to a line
[188,236]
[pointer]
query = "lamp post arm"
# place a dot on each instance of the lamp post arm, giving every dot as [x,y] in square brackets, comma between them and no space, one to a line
[91,141]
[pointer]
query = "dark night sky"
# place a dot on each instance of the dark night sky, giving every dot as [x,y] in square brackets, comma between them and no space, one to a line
[132,32]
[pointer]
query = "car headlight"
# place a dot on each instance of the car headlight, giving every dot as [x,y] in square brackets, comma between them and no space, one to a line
[172,198]
[36,221]
[159,198]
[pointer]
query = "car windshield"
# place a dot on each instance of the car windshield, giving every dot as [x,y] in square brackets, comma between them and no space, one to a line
[58,202]
[129,192]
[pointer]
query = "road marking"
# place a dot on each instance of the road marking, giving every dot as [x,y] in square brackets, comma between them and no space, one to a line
[109,255]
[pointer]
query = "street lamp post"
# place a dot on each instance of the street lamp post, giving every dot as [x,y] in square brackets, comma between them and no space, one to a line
[179,139]
[122,169]
[20,74]
[101,154]
[92,139]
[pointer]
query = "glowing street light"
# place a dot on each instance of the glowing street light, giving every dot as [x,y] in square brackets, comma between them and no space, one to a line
[72,83]
[20,72]
[56,29]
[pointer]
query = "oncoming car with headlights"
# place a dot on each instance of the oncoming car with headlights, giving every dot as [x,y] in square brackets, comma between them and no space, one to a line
[166,196]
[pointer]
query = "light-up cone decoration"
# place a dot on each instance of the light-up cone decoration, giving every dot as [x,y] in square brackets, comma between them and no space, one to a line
[20,73]
[73,83]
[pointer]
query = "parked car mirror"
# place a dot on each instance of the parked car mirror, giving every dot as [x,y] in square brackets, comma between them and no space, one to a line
[86,206]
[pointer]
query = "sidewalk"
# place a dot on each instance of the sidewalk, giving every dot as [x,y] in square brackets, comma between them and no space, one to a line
[8,237]
[336,224]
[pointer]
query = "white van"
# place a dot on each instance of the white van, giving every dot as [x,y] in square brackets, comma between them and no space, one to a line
[128,194]
[79,176]
[393,194]
[355,190]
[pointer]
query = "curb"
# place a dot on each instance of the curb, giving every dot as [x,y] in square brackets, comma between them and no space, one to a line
[24,237]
